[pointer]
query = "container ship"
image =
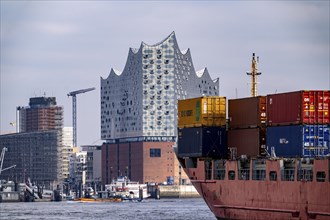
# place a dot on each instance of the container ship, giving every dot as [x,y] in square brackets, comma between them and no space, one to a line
[269,159]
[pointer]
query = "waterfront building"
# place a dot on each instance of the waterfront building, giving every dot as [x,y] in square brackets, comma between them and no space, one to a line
[72,164]
[93,165]
[67,147]
[36,156]
[139,111]
[37,149]
[42,114]
[78,169]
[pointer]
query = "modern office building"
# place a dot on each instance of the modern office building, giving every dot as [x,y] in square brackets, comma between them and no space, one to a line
[37,149]
[139,110]
[36,156]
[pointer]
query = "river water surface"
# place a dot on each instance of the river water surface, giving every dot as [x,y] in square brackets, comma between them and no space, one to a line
[147,209]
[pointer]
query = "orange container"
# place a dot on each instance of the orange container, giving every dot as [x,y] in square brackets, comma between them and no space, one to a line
[202,111]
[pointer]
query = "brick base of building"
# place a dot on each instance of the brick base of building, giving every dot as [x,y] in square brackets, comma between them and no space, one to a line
[145,162]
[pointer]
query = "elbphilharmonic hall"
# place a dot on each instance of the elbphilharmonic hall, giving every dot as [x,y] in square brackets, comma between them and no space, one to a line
[139,111]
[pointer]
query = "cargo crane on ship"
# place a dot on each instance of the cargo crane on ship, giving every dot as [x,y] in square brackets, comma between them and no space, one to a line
[254,73]
[74,111]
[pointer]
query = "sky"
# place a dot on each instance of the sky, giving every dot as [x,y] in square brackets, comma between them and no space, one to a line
[54,47]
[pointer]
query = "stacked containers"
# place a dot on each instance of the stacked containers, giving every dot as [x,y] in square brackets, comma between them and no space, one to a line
[247,126]
[203,111]
[201,127]
[298,123]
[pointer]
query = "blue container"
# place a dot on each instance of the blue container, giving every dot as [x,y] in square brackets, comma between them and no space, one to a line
[170,180]
[299,140]
[202,142]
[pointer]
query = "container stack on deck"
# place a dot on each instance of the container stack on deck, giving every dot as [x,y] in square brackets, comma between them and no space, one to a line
[294,124]
[298,123]
[202,127]
[247,126]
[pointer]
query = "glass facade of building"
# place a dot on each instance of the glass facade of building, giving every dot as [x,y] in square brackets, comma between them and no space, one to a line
[140,103]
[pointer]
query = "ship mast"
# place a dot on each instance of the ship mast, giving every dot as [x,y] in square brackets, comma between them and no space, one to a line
[254,73]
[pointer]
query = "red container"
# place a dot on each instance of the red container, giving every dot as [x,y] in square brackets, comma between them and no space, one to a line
[301,107]
[247,112]
[250,141]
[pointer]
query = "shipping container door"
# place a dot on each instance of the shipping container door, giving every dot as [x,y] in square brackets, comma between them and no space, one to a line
[322,109]
[262,111]
[316,140]
[308,108]
[214,142]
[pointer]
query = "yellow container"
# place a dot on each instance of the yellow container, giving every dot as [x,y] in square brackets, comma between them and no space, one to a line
[202,111]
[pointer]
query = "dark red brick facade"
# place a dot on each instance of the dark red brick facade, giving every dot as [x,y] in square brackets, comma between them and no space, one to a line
[138,162]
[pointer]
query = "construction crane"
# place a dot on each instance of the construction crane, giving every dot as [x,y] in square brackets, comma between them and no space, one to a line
[254,73]
[74,111]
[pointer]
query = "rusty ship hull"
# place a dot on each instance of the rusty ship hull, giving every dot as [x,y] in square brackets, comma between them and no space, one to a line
[270,197]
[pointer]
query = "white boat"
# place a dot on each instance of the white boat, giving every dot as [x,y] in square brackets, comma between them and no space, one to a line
[127,189]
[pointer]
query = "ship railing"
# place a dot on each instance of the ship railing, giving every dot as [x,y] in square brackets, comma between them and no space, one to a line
[287,174]
[219,174]
[208,169]
[305,175]
[244,174]
[208,174]
[259,174]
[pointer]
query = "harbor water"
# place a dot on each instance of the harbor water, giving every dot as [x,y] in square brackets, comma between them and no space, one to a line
[148,209]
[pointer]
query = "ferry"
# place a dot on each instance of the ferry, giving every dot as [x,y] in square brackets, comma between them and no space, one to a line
[127,189]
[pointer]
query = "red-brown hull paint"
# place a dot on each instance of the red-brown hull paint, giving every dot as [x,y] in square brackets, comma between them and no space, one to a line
[259,200]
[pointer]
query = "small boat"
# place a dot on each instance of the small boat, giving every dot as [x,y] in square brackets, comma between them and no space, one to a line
[93,200]
[128,190]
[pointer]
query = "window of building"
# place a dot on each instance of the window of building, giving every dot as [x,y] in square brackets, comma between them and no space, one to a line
[231,175]
[320,176]
[155,152]
[272,175]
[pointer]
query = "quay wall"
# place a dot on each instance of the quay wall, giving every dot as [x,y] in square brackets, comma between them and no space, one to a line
[9,197]
[178,191]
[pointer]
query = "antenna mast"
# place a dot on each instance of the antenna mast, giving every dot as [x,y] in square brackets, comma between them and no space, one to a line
[254,73]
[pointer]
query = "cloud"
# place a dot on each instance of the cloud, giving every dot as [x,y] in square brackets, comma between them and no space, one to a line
[59,46]
[54,28]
